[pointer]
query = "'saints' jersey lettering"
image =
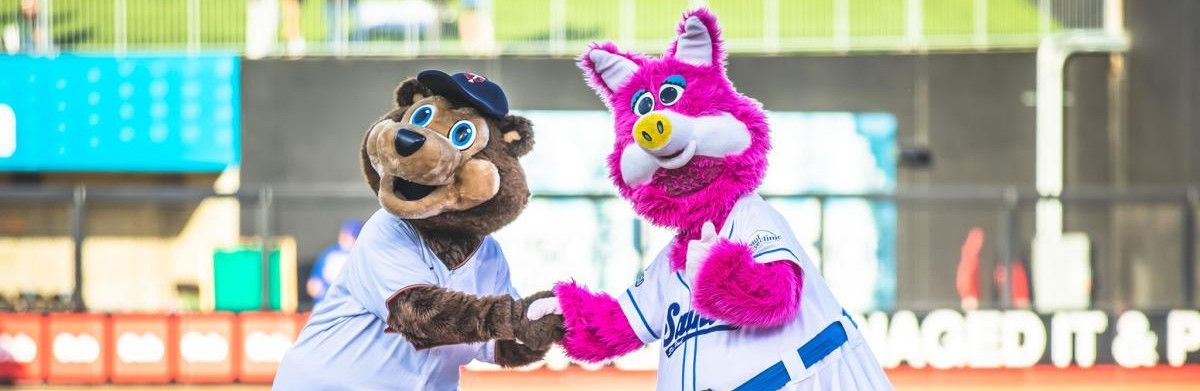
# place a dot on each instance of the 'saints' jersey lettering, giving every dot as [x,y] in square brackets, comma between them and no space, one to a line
[681,328]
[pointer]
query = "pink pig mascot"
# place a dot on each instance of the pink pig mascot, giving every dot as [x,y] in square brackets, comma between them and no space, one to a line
[734,300]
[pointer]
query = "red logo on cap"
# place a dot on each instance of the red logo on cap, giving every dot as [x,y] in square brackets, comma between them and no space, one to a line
[473,78]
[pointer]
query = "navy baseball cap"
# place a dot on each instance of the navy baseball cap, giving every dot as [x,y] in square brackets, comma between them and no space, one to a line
[467,88]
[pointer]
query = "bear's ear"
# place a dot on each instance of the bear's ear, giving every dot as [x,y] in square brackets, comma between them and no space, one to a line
[369,170]
[410,91]
[517,133]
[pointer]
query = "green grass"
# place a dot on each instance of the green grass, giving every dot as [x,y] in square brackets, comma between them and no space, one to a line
[88,24]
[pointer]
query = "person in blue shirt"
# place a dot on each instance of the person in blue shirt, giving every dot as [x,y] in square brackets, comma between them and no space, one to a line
[329,264]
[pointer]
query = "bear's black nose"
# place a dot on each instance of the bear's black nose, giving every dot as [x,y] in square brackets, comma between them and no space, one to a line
[408,142]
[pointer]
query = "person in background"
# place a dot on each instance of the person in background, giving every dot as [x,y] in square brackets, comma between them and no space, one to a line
[291,27]
[30,36]
[329,264]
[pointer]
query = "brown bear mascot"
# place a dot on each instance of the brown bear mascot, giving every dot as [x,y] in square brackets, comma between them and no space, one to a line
[427,289]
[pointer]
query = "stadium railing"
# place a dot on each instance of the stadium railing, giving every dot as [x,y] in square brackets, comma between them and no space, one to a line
[533,27]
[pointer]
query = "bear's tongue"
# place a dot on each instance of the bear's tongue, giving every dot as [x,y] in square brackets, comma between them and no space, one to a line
[690,178]
[411,191]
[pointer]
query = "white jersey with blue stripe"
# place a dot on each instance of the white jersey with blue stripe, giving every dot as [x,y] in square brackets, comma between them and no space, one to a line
[699,353]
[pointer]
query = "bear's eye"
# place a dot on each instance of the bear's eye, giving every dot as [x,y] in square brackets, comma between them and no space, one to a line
[668,94]
[643,102]
[462,134]
[422,115]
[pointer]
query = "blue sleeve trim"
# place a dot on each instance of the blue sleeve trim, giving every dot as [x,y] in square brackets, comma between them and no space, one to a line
[685,284]
[640,315]
[778,250]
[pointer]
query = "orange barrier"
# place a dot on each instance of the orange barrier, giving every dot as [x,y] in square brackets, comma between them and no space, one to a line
[22,357]
[79,347]
[94,348]
[265,337]
[207,352]
[143,348]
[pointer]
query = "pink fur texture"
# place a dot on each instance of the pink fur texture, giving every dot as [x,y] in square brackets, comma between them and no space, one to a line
[734,288]
[596,326]
[709,92]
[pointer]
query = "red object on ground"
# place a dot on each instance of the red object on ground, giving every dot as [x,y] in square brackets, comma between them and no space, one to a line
[207,349]
[22,357]
[79,347]
[144,348]
[265,337]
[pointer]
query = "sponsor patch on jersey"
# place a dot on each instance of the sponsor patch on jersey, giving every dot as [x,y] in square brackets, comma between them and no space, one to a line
[763,239]
[641,277]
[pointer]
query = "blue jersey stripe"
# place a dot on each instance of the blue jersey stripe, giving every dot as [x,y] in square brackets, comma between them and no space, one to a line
[639,312]
[683,370]
[685,285]
[696,353]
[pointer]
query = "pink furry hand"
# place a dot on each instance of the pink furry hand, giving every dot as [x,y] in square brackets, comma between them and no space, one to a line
[733,287]
[596,328]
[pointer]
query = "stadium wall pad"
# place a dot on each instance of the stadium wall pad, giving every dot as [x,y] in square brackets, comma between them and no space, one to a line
[974,111]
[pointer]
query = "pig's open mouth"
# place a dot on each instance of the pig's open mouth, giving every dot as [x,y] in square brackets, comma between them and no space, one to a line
[697,174]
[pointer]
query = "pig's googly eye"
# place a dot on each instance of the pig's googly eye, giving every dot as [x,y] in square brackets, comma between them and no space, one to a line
[643,102]
[462,134]
[668,94]
[422,115]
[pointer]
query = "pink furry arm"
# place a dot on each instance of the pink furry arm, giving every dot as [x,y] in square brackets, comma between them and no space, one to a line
[734,288]
[596,327]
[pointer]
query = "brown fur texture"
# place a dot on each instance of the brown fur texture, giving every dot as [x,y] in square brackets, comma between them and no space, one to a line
[454,234]
[478,190]
[434,316]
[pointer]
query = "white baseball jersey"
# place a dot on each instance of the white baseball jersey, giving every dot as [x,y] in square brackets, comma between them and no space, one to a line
[345,345]
[699,353]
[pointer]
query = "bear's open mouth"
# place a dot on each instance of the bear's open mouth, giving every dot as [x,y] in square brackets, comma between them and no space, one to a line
[411,191]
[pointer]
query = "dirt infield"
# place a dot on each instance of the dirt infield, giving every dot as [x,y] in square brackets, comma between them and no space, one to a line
[1043,378]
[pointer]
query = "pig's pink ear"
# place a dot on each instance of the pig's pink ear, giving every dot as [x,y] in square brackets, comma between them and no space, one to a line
[607,68]
[699,40]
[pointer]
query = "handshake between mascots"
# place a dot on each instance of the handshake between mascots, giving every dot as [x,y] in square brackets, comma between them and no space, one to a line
[733,300]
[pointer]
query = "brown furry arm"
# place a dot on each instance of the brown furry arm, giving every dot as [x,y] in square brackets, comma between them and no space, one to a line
[510,354]
[431,316]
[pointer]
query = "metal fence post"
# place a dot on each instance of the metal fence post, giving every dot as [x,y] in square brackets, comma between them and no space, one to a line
[820,245]
[771,26]
[841,25]
[981,24]
[1008,217]
[914,24]
[120,27]
[193,26]
[265,198]
[78,217]
[558,26]
[44,35]
[1189,246]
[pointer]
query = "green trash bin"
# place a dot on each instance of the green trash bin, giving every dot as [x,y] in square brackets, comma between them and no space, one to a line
[237,279]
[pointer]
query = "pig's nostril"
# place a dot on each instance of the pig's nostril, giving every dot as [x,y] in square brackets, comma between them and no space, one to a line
[407,142]
[647,137]
[660,127]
